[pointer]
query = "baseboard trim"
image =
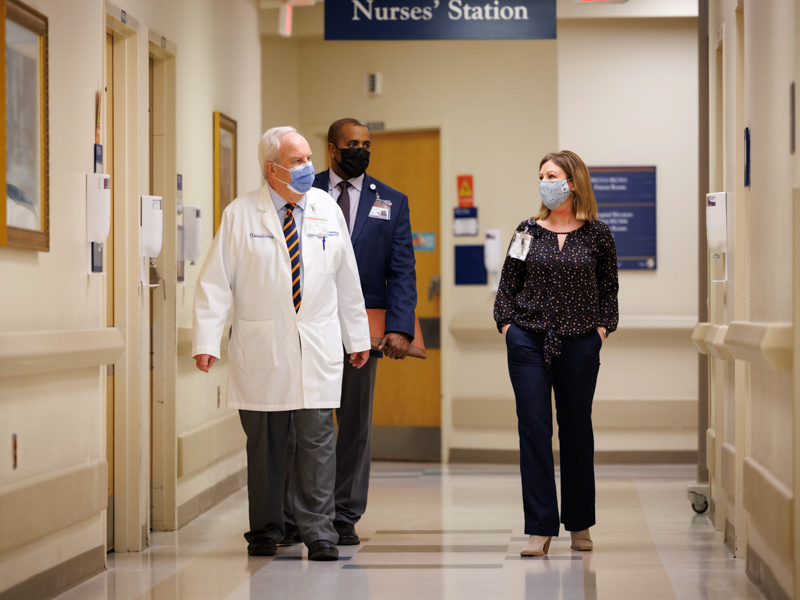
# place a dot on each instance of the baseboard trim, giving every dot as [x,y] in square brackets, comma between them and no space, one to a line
[615,457]
[59,578]
[657,414]
[406,443]
[730,537]
[762,576]
[191,509]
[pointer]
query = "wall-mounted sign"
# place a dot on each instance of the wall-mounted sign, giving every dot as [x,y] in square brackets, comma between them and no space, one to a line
[423,241]
[440,19]
[465,221]
[465,186]
[626,202]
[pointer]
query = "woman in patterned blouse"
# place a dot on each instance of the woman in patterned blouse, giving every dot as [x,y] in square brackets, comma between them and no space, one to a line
[556,305]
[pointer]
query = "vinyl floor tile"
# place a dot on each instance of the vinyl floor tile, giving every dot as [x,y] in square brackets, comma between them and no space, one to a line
[450,532]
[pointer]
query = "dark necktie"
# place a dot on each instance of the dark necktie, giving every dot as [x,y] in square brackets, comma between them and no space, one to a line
[344,202]
[293,244]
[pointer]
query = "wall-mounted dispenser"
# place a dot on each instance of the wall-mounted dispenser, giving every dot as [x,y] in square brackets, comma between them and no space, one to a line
[151,225]
[98,217]
[493,257]
[98,207]
[717,235]
[192,233]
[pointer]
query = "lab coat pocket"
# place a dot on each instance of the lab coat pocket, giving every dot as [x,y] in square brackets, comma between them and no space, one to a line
[256,343]
[331,247]
[331,340]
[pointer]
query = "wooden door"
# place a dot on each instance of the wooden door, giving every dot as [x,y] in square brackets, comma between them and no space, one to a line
[108,161]
[407,410]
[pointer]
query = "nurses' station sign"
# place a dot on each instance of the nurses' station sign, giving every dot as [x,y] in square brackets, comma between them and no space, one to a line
[440,19]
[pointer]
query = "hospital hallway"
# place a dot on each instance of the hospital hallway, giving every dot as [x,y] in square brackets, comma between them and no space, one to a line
[451,532]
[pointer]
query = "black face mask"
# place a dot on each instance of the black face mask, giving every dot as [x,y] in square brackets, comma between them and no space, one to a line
[354,161]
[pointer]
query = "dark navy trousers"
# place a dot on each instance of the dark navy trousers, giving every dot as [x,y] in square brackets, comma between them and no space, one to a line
[571,376]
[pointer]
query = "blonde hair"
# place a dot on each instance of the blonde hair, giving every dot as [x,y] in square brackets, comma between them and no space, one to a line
[584,206]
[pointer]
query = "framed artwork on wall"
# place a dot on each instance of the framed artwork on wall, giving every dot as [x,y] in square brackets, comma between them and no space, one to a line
[224,165]
[26,157]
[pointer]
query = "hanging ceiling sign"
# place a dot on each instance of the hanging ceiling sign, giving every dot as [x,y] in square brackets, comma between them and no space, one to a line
[440,19]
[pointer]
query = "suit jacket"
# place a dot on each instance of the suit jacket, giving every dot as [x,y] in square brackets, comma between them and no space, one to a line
[281,359]
[385,254]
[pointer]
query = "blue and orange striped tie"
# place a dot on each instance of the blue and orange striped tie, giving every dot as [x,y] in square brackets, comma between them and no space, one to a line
[293,244]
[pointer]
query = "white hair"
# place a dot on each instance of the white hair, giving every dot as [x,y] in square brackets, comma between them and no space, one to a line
[270,145]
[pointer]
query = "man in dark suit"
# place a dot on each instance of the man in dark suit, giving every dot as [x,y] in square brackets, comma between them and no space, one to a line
[380,229]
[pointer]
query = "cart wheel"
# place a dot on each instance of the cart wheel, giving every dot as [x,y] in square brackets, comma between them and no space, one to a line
[700,504]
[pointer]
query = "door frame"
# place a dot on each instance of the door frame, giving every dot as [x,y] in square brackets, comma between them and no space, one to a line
[130,484]
[164,448]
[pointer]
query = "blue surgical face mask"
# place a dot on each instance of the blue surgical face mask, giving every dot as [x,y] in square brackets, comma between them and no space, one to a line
[302,177]
[554,192]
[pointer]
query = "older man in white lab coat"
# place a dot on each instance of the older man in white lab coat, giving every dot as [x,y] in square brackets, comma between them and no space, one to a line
[282,258]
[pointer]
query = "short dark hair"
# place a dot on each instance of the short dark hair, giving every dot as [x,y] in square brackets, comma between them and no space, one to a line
[335,130]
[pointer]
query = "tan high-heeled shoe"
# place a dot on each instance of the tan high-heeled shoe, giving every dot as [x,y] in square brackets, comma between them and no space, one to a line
[581,540]
[537,545]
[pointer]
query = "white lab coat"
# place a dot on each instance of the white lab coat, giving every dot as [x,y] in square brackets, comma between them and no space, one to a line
[279,359]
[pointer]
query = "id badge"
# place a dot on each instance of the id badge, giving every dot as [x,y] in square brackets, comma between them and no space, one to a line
[315,227]
[381,210]
[520,246]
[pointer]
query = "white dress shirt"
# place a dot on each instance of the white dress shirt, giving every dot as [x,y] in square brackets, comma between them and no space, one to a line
[280,206]
[355,193]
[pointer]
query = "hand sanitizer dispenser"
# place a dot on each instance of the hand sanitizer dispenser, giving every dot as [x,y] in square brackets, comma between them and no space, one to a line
[192,233]
[98,207]
[151,226]
[493,257]
[717,235]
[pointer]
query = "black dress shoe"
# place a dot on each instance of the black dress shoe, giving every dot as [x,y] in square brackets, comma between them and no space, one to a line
[292,535]
[347,533]
[264,547]
[322,550]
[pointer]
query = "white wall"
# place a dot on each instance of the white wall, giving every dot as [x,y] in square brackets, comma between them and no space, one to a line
[59,416]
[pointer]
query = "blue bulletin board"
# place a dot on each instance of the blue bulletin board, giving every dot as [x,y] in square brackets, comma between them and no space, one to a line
[626,202]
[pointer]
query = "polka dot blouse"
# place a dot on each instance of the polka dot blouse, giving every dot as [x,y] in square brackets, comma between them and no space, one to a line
[564,293]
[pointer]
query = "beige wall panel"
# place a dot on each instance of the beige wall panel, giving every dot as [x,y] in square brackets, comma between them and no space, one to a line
[35,557]
[642,111]
[771,427]
[769,36]
[23,353]
[36,508]
[59,417]
[770,504]
[196,485]
[280,85]
[199,448]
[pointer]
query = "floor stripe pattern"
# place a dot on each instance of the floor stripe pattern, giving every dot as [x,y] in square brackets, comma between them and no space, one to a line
[455,533]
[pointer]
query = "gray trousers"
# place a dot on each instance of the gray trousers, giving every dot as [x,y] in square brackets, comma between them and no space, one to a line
[313,467]
[353,455]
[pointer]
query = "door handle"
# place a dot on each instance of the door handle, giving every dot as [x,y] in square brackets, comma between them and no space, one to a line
[434,287]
